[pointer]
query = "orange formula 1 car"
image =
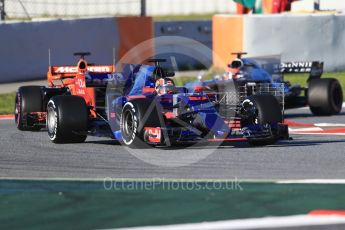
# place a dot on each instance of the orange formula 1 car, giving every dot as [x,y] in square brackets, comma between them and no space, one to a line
[73,90]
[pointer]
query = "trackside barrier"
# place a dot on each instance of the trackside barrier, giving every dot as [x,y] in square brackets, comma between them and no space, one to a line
[198,31]
[24,45]
[304,37]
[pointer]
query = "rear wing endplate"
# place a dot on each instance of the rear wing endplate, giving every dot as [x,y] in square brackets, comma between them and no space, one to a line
[314,68]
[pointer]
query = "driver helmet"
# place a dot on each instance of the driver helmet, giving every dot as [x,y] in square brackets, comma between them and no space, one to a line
[158,74]
[234,69]
[165,85]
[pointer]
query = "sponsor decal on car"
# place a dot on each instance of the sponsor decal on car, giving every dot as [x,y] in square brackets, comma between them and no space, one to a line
[296,67]
[74,69]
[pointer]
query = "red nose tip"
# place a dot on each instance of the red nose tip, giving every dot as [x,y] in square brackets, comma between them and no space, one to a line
[198,88]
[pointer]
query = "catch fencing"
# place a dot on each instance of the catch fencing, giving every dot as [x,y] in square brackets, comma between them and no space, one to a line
[28,9]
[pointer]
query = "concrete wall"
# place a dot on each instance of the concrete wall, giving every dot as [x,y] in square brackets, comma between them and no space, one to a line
[298,38]
[332,5]
[24,46]
[185,51]
[294,37]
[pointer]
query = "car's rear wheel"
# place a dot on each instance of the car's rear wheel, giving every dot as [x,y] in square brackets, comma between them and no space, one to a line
[325,96]
[28,99]
[268,112]
[136,115]
[67,119]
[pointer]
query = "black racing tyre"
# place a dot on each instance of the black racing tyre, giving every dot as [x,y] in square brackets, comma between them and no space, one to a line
[28,99]
[268,108]
[67,119]
[136,115]
[325,96]
[268,112]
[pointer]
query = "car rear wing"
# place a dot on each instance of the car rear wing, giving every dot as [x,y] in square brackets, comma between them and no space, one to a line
[314,68]
[61,72]
[72,70]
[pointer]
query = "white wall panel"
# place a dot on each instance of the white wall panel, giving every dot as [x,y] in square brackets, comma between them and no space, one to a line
[24,46]
[297,38]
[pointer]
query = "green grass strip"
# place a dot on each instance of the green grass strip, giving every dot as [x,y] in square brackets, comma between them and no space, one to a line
[62,204]
[7,103]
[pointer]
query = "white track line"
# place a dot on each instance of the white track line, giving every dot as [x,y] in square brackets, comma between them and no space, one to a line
[312,181]
[157,179]
[255,223]
[329,125]
[206,180]
[317,130]
[305,129]
[325,134]
[303,108]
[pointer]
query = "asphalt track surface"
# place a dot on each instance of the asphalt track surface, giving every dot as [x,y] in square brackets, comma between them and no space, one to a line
[32,155]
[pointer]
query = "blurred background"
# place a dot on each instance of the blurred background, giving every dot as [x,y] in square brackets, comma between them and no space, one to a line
[29,9]
[215,28]
[26,9]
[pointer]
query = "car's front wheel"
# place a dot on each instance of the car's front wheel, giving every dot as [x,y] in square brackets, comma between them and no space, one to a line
[268,113]
[136,115]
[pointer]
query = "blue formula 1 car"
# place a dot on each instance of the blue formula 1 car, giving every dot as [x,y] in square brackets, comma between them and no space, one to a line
[145,107]
[324,96]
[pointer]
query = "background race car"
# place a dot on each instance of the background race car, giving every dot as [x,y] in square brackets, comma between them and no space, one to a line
[71,106]
[324,96]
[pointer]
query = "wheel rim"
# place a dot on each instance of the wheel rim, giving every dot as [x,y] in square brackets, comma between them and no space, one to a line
[128,124]
[337,97]
[17,110]
[51,120]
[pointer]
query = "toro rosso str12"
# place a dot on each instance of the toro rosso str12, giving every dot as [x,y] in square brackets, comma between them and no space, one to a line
[153,110]
[141,105]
